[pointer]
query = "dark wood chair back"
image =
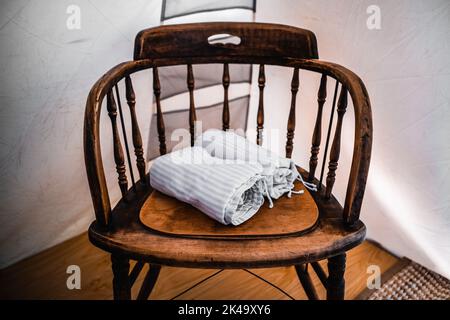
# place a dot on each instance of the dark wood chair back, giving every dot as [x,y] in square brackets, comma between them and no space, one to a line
[249,43]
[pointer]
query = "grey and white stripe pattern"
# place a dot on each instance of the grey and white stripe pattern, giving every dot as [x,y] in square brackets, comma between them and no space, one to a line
[279,172]
[226,191]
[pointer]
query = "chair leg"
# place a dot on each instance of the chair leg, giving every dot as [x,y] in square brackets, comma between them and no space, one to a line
[149,282]
[335,281]
[305,280]
[121,281]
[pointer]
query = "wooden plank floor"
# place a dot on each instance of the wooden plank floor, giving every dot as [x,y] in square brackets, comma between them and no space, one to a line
[44,277]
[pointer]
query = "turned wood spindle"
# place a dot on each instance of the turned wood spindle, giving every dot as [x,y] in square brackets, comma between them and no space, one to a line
[137,139]
[118,152]
[260,116]
[159,116]
[291,120]
[317,134]
[124,134]
[327,141]
[226,108]
[336,146]
[192,115]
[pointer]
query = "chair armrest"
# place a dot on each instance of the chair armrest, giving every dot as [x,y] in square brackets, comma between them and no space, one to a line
[92,150]
[363,133]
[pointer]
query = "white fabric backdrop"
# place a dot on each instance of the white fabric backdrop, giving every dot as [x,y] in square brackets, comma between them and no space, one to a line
[47,71]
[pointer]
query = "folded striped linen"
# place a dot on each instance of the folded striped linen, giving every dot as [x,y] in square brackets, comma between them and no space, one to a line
[226,191]
[279,172]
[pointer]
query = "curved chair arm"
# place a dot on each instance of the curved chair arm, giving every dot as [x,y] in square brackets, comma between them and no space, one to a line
[92,150]
[362,110]
[363,133]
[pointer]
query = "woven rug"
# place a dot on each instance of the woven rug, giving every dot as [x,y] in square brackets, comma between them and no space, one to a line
[410,281]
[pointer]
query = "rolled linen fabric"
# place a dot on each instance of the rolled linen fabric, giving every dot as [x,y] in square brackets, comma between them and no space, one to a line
[228,192]
[279,172]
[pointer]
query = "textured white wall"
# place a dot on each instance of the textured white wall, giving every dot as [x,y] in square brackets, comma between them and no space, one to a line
[406,68]
[46,73]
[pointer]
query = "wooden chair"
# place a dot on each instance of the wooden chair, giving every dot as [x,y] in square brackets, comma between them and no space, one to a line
[119,230]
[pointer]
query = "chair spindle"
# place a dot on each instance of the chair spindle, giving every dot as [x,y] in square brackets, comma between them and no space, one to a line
[118,152]
[192,115]
[159,116]
[260,116]
[226,107]
[330,125]
[137,139]
[124,133]
[336,146]
[291,121]
[317,134]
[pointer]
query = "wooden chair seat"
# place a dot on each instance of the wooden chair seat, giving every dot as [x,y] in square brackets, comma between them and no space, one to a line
[290,216]
[128,236]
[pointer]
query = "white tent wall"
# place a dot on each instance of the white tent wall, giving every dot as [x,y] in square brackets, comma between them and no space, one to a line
[47,71]
[406,68]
